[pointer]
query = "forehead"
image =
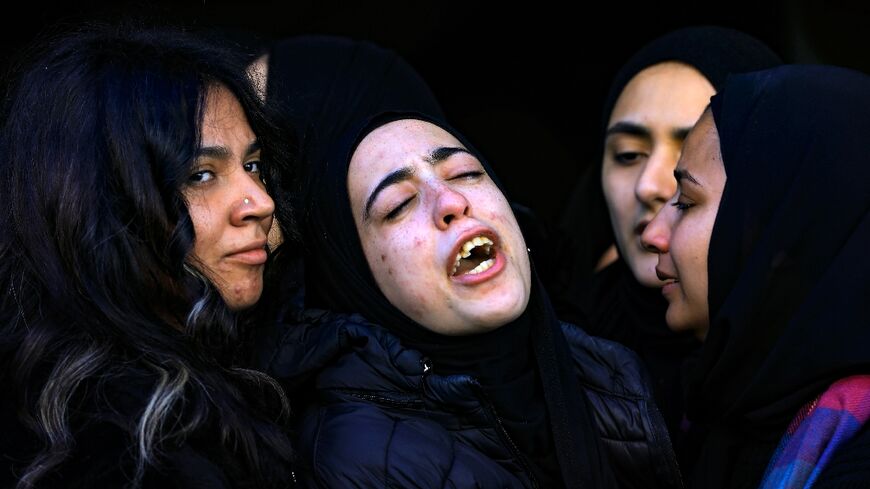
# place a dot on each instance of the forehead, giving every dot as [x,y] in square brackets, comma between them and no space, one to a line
[400,140]
[395,145]
[669,93]
[224,117]
[701,153]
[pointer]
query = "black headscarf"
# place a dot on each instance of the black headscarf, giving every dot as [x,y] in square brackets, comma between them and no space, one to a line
[316,79]
[339,90]
[789,274]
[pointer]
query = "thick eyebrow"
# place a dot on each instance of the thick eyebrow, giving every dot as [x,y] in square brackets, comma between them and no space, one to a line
[681,175]
[629,128]
[440,154]
[222,152]
[393,178]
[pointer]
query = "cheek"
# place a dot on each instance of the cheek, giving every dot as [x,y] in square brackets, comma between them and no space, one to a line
[205,229]
[618,187]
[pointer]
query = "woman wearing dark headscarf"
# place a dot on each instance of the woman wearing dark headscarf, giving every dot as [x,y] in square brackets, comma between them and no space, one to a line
[764,255]
[653,102]
[463,377]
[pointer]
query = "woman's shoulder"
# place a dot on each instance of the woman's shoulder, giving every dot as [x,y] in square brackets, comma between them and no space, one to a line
[359,444]
[606,365]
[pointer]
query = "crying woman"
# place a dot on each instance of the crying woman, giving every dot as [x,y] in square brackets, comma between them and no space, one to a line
[456,372]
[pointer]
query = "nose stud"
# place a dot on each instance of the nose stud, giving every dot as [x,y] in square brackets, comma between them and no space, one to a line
[247,201]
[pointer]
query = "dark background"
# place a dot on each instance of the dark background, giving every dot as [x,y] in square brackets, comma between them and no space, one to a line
[524,83]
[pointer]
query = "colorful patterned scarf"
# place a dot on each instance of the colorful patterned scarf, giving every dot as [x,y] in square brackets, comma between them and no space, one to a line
[816,433]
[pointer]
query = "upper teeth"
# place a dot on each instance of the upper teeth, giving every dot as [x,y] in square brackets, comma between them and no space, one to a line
[465,252]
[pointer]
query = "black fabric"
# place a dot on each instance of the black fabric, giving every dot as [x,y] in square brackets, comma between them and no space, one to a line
[379,418]
[316,81]
[619,308]
[787,263]
[849,467]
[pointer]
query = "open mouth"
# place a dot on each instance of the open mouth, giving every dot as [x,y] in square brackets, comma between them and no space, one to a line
[476,255]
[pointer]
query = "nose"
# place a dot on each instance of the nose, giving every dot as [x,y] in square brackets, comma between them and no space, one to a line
[253,203]
[656,236]
[449,205]
[656,183]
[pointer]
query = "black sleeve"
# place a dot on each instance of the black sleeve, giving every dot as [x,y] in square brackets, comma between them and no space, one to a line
[849,467]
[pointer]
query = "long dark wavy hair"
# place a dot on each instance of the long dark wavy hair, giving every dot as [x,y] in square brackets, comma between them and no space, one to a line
[98,139]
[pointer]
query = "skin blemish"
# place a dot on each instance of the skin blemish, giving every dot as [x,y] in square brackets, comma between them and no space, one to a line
[389,271]
[383,257]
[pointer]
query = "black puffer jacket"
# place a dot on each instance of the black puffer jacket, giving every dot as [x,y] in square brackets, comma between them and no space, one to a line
[375,416]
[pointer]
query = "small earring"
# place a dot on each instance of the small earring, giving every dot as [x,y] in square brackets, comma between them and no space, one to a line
[247,201]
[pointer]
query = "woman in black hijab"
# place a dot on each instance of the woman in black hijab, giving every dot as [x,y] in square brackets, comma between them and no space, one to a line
[459,375]
[653,101]
[764,253]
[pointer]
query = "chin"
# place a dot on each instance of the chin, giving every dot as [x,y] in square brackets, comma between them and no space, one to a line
[679,322]
[244,300]
[644,270]
[502,310]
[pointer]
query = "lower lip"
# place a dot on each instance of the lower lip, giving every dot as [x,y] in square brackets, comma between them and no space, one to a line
[250,257]
[477,278]
[667,288]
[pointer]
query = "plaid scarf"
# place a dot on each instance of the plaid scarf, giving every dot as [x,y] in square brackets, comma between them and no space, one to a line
[817,431]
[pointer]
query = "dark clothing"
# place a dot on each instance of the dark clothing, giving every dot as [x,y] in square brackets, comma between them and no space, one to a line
[619,308]
[380,415]
[104,453]
[787,263]
[849,468]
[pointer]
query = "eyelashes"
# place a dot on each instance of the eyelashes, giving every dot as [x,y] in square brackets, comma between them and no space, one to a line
[628,158]
[398,209]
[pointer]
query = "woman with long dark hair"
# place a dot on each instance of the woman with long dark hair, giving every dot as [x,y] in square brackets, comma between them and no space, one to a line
[763,251]
[137,167]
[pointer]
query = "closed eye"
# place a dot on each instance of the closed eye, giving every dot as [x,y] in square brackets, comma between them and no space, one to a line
[398,209]
[469,175]
[682,206]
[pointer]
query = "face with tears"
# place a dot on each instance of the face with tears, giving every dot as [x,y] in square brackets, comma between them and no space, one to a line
[439,236]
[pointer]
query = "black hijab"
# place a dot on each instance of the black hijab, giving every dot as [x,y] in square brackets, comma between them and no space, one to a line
[789,275]
[316,80]
[338,90]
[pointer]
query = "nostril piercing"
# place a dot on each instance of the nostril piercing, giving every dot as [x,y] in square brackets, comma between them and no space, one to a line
[247,201]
